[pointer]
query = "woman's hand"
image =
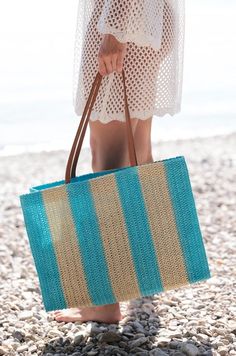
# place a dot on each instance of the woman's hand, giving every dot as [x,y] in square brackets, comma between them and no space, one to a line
[111,55]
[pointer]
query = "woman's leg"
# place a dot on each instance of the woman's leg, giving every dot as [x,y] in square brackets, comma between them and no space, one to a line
[108,143]
[109,150]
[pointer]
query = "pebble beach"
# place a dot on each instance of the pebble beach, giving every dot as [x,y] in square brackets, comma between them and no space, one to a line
[194,320]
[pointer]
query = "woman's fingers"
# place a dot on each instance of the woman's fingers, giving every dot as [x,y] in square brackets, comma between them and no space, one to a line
[101,66]
[108,64]
[111,63]
[114,62]
[111,55]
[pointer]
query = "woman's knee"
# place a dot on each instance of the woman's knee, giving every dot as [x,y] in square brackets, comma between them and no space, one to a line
[107,152]
[108,143]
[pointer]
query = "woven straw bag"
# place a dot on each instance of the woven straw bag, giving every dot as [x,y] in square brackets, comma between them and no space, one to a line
[117,234]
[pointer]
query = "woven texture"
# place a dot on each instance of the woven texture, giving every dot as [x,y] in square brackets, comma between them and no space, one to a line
[154,32]
[115,235]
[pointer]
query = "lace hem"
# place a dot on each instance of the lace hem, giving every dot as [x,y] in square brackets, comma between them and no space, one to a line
[140,39]
[141,115]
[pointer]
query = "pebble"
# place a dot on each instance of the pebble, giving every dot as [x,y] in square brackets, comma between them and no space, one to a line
[189,349]
[54,333]
[22,348]
[26,314]
[4,350]
[139,351]
[138,342]
[174,344]
[163,341]
[109,336]
[32,349]
[138,326]
[157,352]
[77,339]
[202,337]
[223,350]
[87,348]
[176,334]
[19,334]
[95,330]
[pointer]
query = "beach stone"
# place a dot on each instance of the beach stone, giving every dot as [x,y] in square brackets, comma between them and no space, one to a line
[92,353]
[148,308]
[138,342]
[32,349]
[78,339]
[4,350]
[95,330]
[163,309]
[138,326]
[109,336]
[163,341]
[54,333]
[202,337]
[174,344]
[177,334]
[24,315]
[139,351]
[19,334]
[223,350]
[157,352]
[22,348]
[138,335]
[14,345]
[87,348]
[189,349]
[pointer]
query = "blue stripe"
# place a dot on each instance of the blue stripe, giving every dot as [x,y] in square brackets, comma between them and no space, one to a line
[41,244]
[187,219]
[90,243]
[139,233]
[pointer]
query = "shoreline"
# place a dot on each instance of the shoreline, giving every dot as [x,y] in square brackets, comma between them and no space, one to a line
[154,144]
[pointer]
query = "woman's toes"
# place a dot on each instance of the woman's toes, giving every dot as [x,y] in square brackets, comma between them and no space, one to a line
[58,317]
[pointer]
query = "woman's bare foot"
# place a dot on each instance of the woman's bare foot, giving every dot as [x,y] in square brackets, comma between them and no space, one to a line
[109,313]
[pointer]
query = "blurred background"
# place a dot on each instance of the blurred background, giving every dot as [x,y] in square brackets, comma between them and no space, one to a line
[36,70]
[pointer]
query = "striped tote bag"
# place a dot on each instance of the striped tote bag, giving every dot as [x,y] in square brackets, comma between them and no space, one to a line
[117,234]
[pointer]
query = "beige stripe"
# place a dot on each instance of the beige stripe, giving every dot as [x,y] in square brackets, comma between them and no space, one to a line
[162,224]
[115,238]
[66,247]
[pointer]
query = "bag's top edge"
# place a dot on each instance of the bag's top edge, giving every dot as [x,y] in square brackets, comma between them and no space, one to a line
[59,183]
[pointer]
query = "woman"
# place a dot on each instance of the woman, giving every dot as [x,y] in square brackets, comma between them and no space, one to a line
[146,39]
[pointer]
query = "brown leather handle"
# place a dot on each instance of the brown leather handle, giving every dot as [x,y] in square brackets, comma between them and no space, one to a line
[79,137]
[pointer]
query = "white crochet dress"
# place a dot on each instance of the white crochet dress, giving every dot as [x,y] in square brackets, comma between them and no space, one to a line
[153,65]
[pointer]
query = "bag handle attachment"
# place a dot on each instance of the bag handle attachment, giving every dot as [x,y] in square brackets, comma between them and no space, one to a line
[79,137]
